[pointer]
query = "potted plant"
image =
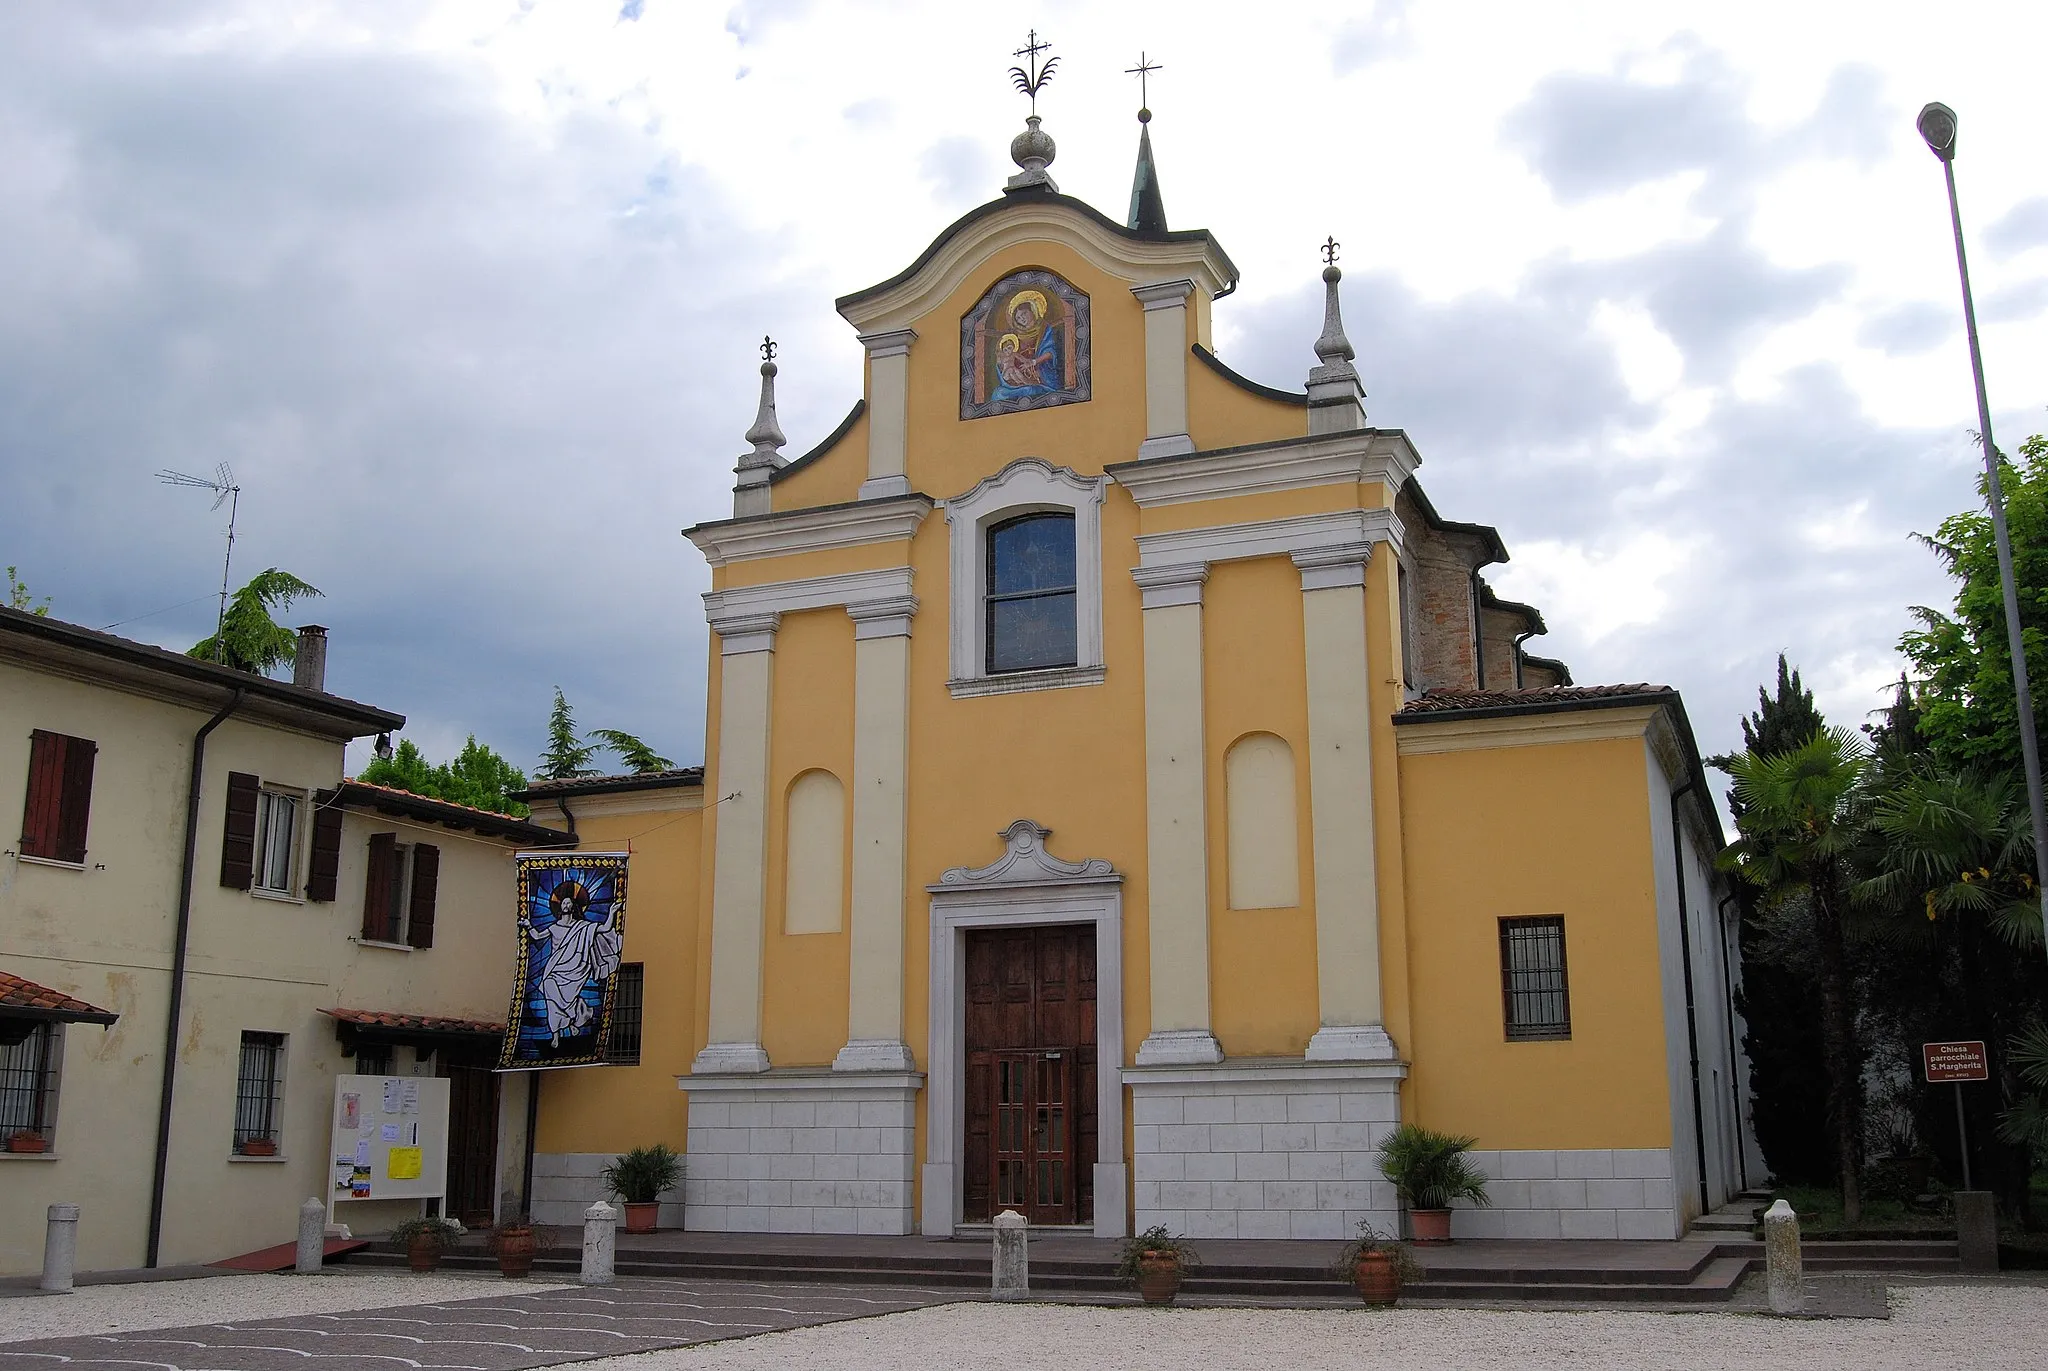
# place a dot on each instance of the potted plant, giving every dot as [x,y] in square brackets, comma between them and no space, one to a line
[1156,1260]
[638,1178]
[259,1147]
[516,1240]
[424,1240]
[1431,1171]
[27,1140]
[1377,1265]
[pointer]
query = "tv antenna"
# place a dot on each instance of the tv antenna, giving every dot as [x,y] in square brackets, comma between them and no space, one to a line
[225,492]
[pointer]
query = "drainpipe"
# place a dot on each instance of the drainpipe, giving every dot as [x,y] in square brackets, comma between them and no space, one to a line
[1734,1081]
[1692,1026]
[1478,636]
[563,805]
[184,939]
[1520,638]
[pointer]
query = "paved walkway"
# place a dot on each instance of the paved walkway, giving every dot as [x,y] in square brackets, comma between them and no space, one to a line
[499,1332]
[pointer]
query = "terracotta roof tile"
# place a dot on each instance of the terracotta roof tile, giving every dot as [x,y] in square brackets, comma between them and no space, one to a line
[1458,701]
[412,1023]
[686,775]
[45,1003]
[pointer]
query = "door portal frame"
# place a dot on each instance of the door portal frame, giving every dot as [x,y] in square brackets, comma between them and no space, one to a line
[1026,887]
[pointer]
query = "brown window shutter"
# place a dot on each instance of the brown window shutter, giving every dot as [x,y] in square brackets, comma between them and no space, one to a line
[377,909]
[426,883]
[324,871]
[238,832]
[42,812]
[76,807]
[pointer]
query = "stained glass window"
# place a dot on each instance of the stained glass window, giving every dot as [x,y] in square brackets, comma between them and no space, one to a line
[1030,623]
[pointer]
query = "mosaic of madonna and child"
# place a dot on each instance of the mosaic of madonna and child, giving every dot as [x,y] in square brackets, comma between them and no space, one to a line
[1024,345]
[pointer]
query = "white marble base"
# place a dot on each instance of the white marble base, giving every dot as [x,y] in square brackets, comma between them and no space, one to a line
[1351,1043]
[566,1183]
[1180,1047]
[883,487]
[874,1054]
[1621,1192]
[730,1059]
[1166,445]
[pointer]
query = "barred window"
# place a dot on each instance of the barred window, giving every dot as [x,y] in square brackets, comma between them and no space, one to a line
[28,1082]
[1534,995]
[622,1042]
[373,1059]
[259,1092]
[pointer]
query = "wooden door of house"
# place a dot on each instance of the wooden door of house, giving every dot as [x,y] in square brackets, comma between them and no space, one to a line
[1031,1074]
[472,1142]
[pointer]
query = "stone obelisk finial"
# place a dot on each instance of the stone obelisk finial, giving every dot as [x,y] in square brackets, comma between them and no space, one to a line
[1336,400]
[750,492]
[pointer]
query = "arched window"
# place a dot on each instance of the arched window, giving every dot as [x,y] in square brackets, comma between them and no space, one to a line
[1030,600]
[814,872]
[1265,860]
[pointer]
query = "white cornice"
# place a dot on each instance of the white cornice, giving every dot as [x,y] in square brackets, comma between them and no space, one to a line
[1337,459]
[1456,734]
[744,607]
[810,530]
[1339,531]
[1031,223]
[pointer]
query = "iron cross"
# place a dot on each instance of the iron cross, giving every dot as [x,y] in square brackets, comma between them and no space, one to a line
[1032,80]
[1330,246]
[767,348]
[1141,71]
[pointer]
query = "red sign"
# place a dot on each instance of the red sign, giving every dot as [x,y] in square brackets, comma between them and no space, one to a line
[1955,1062]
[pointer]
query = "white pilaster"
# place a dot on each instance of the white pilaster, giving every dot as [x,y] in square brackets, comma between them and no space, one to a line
[888,412]
[1340,798]
[738,884]
[1166,367]
[881,749]
[1176,818]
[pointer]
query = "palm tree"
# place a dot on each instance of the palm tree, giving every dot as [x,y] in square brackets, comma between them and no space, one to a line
[1801,816]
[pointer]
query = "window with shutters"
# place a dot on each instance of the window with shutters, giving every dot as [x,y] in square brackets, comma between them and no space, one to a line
[28,1081]
[400,890]
[1535,999]
[259,1093]
[622,1037]
[59,800]
[277,841]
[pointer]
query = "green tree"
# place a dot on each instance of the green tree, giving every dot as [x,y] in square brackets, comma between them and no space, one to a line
[567,756]
[1800,820]
[1963,658]
[19,598]
[249,638]
[638,756]
[477,777]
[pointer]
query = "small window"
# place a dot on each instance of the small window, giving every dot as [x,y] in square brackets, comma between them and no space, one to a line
[400,888]
[1031,590]
[53,818]
[277,841]
[622,1039]
[1536,1000]
[373,1059]
[259,1093]
[28,1081]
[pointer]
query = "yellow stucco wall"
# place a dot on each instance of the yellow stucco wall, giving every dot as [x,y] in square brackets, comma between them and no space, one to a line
[1554,829]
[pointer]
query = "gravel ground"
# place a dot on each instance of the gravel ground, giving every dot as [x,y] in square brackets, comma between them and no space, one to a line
[1986,1328]
[215,1299]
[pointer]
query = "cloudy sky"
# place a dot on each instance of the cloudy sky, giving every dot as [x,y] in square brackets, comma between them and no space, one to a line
[466,294]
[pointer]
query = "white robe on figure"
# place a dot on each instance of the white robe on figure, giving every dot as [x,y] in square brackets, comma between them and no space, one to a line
[579,952]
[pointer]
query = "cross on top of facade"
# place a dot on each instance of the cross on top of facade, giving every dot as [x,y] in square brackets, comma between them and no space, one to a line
[1032,77]
[1330,246]
[767,348]
[1144,69]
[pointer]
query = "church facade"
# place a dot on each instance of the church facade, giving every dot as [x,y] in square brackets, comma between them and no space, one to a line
[1125,802]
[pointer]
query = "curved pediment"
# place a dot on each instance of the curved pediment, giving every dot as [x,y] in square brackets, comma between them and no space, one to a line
[1036,216]
[1026,862]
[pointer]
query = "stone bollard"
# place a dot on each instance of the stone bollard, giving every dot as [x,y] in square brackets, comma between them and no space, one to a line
[1010,1271]
[1976,1231]
[1783,1279]
[60,1249]
[600,1243]
[312,1237]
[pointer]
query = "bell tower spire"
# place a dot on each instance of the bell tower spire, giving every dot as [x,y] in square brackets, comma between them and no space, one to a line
[1148,210]
[1336,400]
[750,492]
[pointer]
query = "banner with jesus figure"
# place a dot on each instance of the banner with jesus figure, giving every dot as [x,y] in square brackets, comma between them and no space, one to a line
[572,925]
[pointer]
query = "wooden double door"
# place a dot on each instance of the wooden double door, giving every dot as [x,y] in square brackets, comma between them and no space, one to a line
[1031,1074]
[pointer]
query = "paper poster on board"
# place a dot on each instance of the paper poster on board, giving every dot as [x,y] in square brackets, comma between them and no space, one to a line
[403,1164]
[571,928]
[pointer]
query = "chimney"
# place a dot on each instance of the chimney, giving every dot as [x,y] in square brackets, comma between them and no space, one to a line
[309,668]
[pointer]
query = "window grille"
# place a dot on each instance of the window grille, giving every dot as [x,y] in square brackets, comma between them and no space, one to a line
[622,1041]
[28,1082]
[1534,993]
[259,1088]
[1031,594]
[373,1059]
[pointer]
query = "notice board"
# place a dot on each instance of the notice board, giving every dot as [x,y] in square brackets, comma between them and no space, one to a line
[390,1138]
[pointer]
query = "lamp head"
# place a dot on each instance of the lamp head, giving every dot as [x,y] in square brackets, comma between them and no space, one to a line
[384,749]
[1937,124]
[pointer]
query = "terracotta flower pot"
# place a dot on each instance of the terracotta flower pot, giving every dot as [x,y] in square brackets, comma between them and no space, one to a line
[25,1141]
[423,1254]
[1430,1225]
[1158,1277]
[640,1218]
[1378,1283]
[260,1147]
[515,1251]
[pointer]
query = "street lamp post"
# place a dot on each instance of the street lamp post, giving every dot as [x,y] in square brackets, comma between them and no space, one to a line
[1937,124]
